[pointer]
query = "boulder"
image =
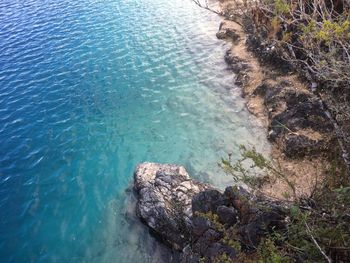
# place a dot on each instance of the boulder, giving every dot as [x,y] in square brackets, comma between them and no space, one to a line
[227,32]
[267,53]
[217,249]
[236,64]
[261,223]
[200,225]
[298,123]
[165,194]
[227,215]
[300,146]
[207,201]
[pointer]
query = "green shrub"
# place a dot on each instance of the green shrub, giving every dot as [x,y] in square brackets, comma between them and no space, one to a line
[316,223]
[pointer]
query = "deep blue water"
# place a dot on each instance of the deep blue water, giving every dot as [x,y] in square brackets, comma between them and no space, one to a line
[90,88]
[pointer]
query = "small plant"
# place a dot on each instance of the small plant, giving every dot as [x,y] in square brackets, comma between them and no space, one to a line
[223,258]
[269,253]
[231,239]
[281,7]
[213,218]
[317,225]
[254,169]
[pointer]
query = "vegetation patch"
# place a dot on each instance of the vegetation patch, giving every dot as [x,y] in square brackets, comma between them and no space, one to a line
[317,227]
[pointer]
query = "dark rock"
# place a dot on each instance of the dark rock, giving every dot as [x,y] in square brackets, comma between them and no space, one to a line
[216,249]
[236,64]
[199,225]
[272,135]
[227,215]
[188,256]
[301,111]
[167,197]
[207,201]
[203,243]
[293,98]
[233,193]
[232,34]
[226,32]
[221,34]
[301,116]
[271,95]
[211,236]
[262,223]
[256,215]
[297,146]
[267,53]
[261,89]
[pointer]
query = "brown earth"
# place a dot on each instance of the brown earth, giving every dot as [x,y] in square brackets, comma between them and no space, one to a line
[306,170]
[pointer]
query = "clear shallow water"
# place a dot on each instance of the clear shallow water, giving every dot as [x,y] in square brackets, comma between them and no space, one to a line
[88,89]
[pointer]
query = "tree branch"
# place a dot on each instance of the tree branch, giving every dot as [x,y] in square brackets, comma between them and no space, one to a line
[308,230]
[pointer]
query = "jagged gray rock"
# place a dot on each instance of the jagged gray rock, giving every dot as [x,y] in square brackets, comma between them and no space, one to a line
[165,200]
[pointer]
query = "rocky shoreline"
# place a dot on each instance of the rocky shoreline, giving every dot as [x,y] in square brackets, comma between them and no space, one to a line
[295,119]
[297,126]
[200,221]
[205,224]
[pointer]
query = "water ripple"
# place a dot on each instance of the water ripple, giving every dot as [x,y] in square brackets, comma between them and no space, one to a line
[87,90]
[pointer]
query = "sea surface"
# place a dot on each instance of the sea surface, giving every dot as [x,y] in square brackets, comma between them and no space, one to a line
[90,88]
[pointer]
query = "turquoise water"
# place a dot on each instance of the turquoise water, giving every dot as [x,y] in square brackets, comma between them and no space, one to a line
[87,90]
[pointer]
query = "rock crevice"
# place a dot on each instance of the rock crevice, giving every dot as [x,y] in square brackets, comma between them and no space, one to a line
[199,220]
[165,200]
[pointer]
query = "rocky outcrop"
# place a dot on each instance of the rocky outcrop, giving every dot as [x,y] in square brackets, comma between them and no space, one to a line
[230,223]
[266,53]
[226,32]
[165,201]
[238,66]
[202,222]
[297,120]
